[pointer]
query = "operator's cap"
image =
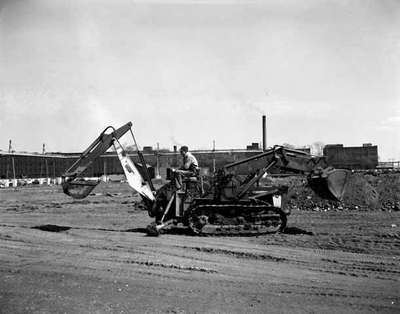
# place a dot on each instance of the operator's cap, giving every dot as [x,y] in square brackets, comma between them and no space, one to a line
[184,149]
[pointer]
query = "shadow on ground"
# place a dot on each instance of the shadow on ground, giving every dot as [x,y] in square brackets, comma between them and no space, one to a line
[52,228]
[188,232]
[137,230]
[295,230]
[170,230]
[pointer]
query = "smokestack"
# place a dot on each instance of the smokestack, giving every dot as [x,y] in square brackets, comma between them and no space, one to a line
[264,133]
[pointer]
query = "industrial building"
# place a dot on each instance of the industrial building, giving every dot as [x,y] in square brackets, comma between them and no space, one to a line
[22,165]
[359,157]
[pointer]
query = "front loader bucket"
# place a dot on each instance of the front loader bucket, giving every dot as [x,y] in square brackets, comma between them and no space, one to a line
[79,188]
[329,183]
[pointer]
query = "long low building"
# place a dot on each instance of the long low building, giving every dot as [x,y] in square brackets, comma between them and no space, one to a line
[55,164]
[23,165]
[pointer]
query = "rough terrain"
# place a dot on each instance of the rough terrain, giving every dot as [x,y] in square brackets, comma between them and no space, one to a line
[59,255]
[371,190]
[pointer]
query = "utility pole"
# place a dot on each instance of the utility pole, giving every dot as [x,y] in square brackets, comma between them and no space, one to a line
[158,162]
[15,180]
[213,155]
[9,151]
[45,161]
[13,164]
[105,169]
[264,133]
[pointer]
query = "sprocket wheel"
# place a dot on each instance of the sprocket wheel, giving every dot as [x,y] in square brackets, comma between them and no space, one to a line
[196,223]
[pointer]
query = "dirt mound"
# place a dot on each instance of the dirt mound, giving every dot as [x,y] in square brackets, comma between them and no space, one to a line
[360,193]
[363,191]
[388,188]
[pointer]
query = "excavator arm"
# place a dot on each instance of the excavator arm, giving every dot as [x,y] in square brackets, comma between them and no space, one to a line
[289,159]
[326,181]
[77,187]
[99,146]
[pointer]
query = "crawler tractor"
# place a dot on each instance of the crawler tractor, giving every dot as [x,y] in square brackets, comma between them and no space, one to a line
[233,201]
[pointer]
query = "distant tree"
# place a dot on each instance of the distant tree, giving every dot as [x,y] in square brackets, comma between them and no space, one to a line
[317,148]
[287,145]
[130,148]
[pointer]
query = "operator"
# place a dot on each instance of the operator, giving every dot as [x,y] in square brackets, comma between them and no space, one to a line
[190,163]
[189,168]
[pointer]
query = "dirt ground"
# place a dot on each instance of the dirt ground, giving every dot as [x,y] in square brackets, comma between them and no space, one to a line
[59,255]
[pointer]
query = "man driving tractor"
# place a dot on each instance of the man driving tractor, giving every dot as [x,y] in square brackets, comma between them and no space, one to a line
[190,166]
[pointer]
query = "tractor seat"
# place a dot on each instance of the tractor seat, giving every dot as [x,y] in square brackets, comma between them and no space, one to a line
[190,179]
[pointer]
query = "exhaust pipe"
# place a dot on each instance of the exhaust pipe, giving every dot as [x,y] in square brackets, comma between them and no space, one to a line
[264,133]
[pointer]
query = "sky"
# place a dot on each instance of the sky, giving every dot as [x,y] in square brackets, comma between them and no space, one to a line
[194,72]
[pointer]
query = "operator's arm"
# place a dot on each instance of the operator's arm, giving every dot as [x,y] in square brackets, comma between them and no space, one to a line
[187,162]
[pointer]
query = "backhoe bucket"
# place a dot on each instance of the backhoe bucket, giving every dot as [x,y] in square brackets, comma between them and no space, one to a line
[79,188]
[329,183]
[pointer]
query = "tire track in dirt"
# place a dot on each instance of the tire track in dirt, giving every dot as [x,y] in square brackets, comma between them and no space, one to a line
[237,254]
[141,256]
[173,266]
[354,268]
[381,270]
